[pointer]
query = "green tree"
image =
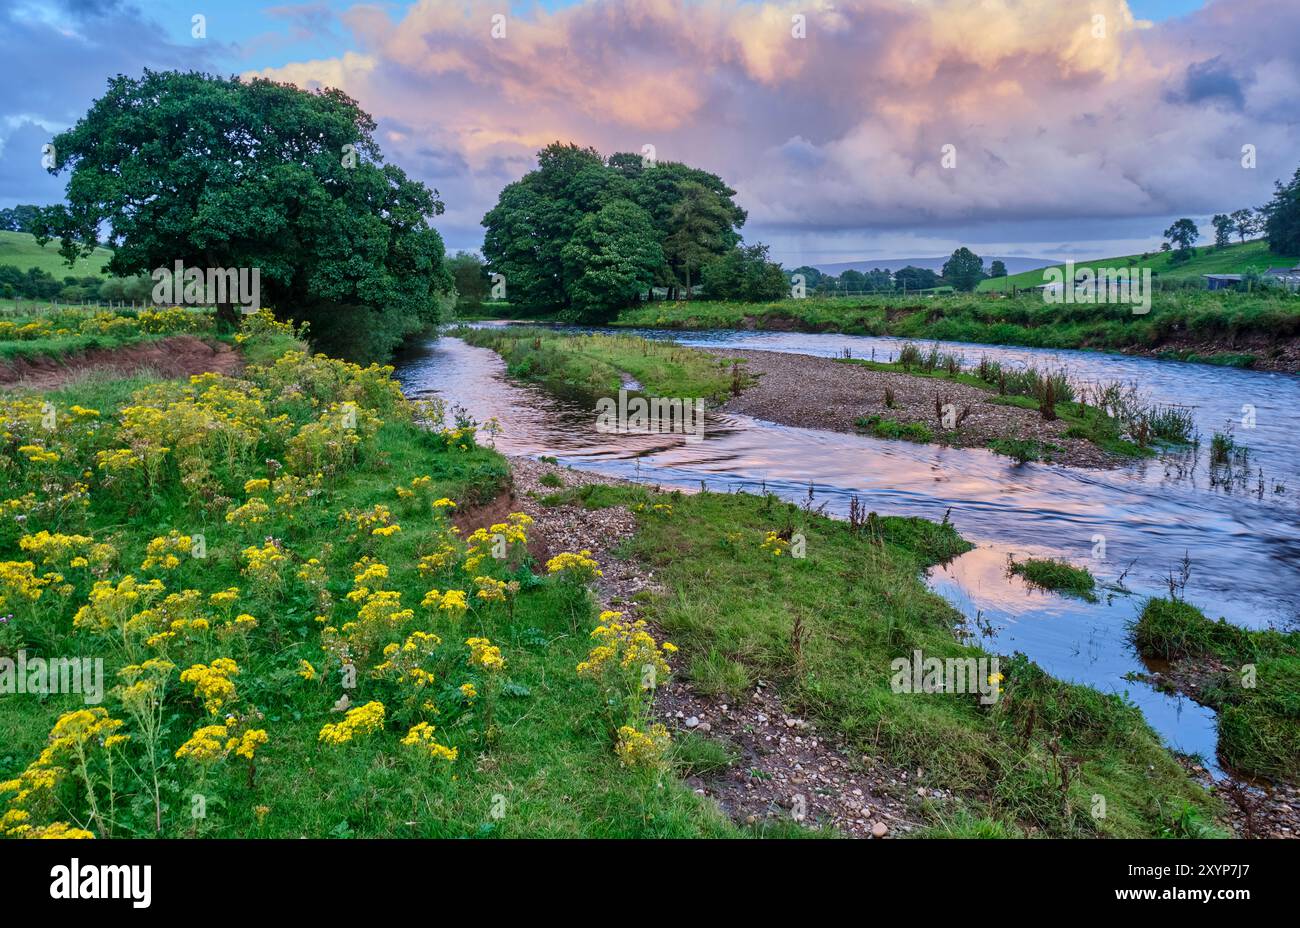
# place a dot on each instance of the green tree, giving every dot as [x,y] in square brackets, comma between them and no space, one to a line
[226,173]
[878,280]
[610,261]
[812,277]
[469,274]
[19,218]
[1223,229]
[699,230]
[1245,222]
[1181,236]
[745,273]
[915,278]
[1282,218]
[997,269]
[691,214]
[964,270]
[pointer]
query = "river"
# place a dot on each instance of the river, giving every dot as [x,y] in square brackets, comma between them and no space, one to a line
[1243,543]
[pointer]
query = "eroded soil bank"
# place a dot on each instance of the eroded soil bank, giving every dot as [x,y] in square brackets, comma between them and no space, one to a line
[175,356]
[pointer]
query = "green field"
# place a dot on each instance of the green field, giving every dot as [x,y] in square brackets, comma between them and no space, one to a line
[20,250]
[1233,259]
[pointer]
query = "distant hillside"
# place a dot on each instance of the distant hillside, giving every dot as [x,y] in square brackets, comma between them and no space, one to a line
[20,250]
[1014,265]
[1231,259]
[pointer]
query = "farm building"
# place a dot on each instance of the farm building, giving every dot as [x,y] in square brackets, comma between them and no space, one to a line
[1222,281]
[1288,277]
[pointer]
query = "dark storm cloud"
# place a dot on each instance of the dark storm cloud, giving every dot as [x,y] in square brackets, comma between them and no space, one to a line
[1210,80]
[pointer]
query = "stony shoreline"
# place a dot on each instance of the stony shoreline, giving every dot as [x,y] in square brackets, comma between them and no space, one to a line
[822,393]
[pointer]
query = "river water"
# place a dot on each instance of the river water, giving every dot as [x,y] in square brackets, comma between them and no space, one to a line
[1243,544]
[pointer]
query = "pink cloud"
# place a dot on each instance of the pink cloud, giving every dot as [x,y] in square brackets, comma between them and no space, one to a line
[1053,114]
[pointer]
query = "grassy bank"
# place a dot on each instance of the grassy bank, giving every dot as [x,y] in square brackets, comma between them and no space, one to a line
[266,567]
[1235,258]
[1216,319]
[825,628]
[1048,574]
[596,364]
[1251,678]
[65,346]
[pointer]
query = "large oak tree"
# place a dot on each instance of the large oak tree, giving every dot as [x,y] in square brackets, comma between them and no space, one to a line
[226,173]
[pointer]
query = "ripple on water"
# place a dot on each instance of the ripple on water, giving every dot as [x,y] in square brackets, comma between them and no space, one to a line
[1245,551]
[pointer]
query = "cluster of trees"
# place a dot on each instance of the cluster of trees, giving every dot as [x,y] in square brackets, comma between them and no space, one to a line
[1281,217]
[36,284]
[226,173]
[588,236]
[962,271]
[876,280]
[18,218]
[1278,221]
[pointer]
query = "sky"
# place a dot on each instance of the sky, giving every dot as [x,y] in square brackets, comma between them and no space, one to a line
[884,129]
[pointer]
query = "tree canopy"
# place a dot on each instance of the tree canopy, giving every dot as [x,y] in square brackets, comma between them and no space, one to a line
[19,218]
[225,173]
[745,273]
[587,236]
[1282,218]
[964,270]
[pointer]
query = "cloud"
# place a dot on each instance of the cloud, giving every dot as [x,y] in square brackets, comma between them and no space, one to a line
[1060,121]
[1210,80]
[1054,114]
[64,61]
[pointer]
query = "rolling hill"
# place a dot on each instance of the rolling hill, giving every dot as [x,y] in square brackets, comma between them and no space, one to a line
[1232,259]
[20,250]
[935,264]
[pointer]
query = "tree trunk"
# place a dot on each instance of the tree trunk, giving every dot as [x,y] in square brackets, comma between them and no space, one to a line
[227,317]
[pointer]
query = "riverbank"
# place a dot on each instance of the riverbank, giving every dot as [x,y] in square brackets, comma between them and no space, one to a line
[601,365]
[291,633]
[812,392]
[1261,331]
[1251,679]
[158,355]
[919,404]
[760,628]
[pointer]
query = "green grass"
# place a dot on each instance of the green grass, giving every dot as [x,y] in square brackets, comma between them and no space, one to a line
[1024,450]
[549,770]
[19,249]
[1214,318]
[825,628]
[63,346]
[1257,696]
[893,429]
[1056,575]
[595,364]
[1237,258]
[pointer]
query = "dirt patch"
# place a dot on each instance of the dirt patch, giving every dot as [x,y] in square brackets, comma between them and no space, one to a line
[822,393]
[1270,353]
[785,768]
[176,356]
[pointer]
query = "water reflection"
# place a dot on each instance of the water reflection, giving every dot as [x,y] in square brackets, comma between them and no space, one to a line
[1245,550]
